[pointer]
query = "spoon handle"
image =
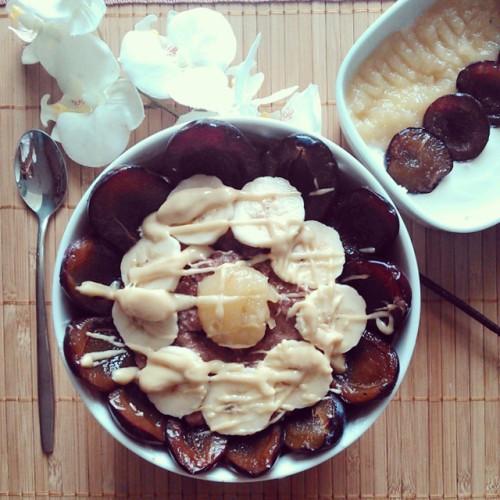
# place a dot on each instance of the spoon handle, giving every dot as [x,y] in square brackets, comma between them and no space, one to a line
[46,408]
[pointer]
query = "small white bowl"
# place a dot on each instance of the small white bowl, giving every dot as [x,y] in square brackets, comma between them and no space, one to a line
[466,200]
[402,255]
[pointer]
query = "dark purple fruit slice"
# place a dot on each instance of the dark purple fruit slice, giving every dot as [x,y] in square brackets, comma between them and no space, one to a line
[384,287]
[121,200]
[96,335]
[315,428]
[367,223]
[482,80]
[417,160]
[137,414]
[211,147]
[195,449]
[310,166]
[461,123]
[90,259]
[256,454]
[372,369]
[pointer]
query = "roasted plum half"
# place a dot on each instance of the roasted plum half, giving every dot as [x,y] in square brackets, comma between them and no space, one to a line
[98,339]
[256,454]
[418,160]
[310,167]
[90,259]
[461,123]
[386,291]
[372,369]
[195,449]
[120,202]
[367,223]
[137,414]
[482,80]
[214,148]
[315,428]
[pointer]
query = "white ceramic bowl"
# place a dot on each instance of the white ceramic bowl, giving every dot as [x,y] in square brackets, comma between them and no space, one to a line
[467,199]
[402,255]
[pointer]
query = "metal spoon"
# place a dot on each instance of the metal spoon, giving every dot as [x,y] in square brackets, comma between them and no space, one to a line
[42,180]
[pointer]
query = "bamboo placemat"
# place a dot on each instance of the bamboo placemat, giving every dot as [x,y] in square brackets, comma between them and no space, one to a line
[439,438]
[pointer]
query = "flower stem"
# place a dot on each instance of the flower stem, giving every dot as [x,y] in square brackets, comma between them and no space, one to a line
[153,103]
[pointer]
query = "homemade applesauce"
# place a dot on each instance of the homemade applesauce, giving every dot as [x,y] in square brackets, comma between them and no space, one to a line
[414,66]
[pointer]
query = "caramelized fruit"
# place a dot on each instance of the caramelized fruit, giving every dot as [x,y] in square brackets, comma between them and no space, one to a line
[309,166]
[121,200]
[136,413]
[482,80]
[367,223]
[312,429]
[195,449]
[89,259]
[256,454]
[383,286]
[78,342]
[417,160]
[214,148]
[461,123]
[371,373]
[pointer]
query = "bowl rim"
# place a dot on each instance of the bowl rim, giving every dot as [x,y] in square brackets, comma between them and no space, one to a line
[287,464]
[397,16]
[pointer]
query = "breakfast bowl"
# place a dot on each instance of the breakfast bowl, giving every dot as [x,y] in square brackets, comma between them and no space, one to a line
[409,62]
[327,399]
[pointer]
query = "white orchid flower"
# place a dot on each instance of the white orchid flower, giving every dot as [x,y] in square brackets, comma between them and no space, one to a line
[303,110]
[246,85]
[42,24]
[99,109]
[188,64]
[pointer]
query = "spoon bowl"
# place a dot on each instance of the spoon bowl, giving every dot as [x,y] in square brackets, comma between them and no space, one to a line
[40,173]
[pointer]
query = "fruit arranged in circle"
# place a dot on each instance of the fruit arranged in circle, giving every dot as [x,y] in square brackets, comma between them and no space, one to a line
[417,160]
[461,123]
[202,384]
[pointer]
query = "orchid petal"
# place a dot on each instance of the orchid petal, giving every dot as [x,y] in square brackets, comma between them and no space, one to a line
[276,96]
[204,88]
[43,49]
[147,63]
[203,36]
[85,63]
[304,109]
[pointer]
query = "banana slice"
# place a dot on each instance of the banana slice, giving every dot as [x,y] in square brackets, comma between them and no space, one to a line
[239,400]
[175,379]
[300,374]
[153,334]
[316,256]
[268,213]
[238,313]
[198,210]
[136,265]
[333,318]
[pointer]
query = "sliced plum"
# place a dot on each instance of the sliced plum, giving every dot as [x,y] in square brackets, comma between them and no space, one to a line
[385,289]
[256,454]
[96,341]
[461,123]
[310,166]
[196,449]
[372,369]
[90,259]
[367,223]
[418,160]
[211,147]
[482,80]
[122,199]
[318,427]
[137,414]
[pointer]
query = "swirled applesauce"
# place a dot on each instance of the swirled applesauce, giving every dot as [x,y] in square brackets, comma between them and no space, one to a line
[414,66]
